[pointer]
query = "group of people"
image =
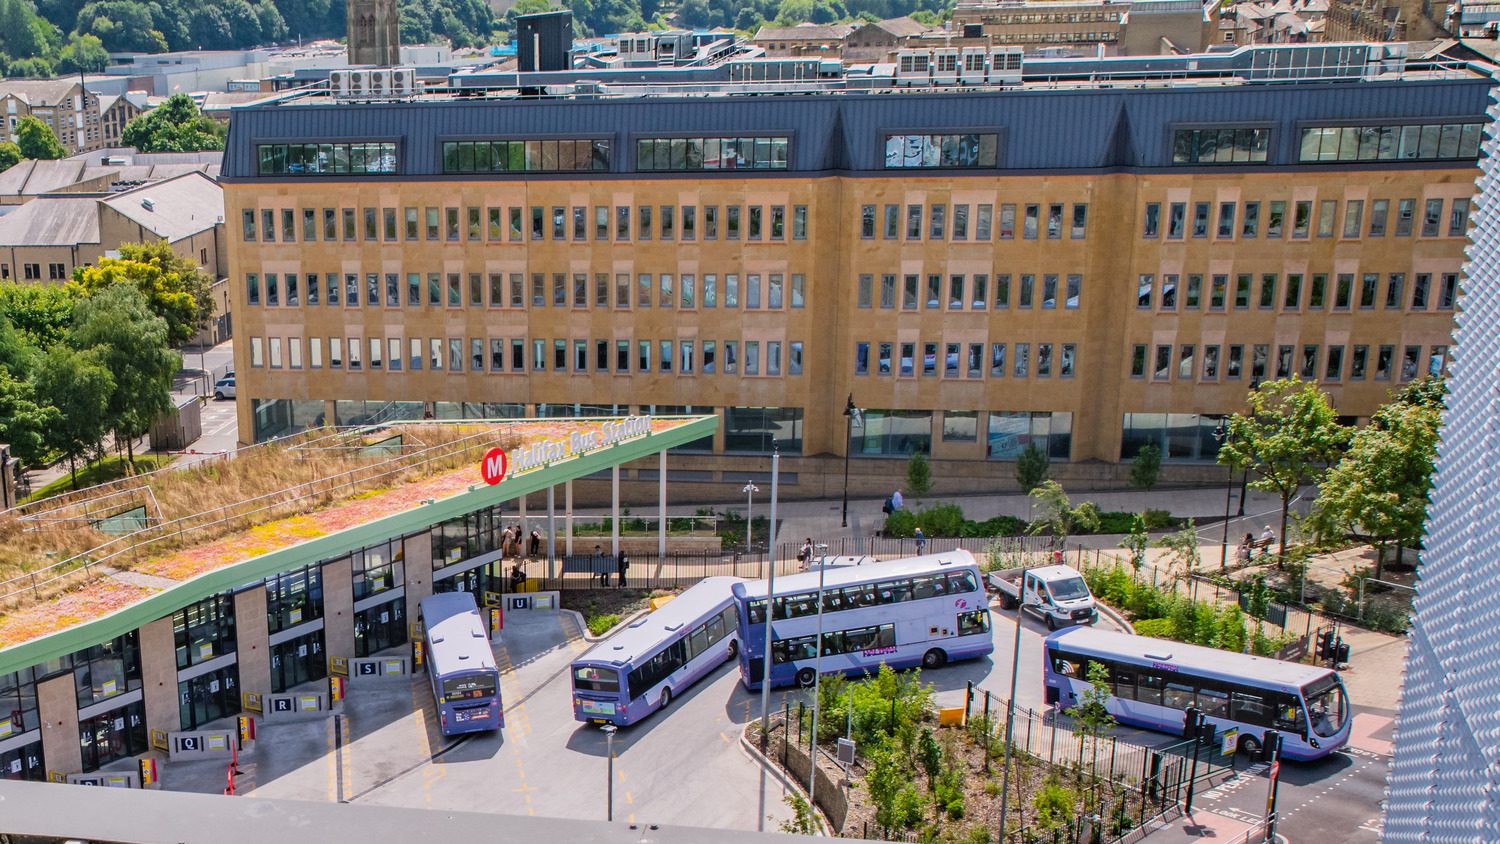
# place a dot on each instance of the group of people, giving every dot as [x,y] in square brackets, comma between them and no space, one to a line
[514,543]
[601,568]
[1249,543]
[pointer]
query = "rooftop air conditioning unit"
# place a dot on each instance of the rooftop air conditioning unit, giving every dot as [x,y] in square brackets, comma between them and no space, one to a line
[148,203]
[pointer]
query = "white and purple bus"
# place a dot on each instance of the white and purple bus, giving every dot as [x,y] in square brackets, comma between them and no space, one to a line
[1152,681]
[465,681]
[917,611]
[639,669]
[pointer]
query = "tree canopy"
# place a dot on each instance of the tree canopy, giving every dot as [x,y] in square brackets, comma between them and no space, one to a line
[118,325]
[174,126]
[1380,488]
[1287,439]
[36,139]
[174,288]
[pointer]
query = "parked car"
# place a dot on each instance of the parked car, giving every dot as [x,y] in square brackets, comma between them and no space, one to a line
[224,388]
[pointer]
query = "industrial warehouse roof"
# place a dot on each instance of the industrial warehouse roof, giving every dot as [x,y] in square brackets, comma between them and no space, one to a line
[118,593]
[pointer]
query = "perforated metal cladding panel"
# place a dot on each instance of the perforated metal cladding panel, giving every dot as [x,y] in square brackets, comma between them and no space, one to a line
[1444,783]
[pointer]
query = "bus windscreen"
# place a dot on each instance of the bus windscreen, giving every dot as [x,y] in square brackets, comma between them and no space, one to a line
[468,687]
[1327,705]
[591,678]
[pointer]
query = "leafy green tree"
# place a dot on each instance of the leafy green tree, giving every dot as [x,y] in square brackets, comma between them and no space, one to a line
[36,67]
[126,25]
[1427,391]
[174,126]
[41,313]
[1031,467]
[803,821]
[84,54]
[1379,490]
[1137,541]
[1059,517]
[23,420]
[174,287]
[930,755]
[1092,710]
[1182,550]
[10,155]
[37,140]
[1288,438]
[918,474]
[117,324]
[1145,469]
[78,386]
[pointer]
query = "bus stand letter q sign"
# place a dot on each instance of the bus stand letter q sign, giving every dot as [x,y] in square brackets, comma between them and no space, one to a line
[494,465]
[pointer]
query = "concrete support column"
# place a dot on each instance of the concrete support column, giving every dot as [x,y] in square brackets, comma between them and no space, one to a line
[568,516]
[524,529]
[338,608]
[57,704]
[614,509]
[418,570]
[661,504]
[551,529]
[251,629]
[159,676]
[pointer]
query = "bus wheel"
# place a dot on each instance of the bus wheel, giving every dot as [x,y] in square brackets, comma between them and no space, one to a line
[806,677]
[1250,745]
[734,649]
[666,697]
[934,659]
[1051,623]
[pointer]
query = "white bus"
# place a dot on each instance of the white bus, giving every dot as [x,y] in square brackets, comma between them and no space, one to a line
[917,611]
[1153,681]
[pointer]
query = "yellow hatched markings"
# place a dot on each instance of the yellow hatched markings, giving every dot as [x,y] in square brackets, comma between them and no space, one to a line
[517,722]
[429,733]
[333,759]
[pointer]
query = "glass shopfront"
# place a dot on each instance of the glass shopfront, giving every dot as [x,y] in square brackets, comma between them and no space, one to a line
[210,696]
[379,627]
[294,597]
[204,630]
[113,735]
[490,577]
[298,660]
[17,703]
[23,763]
[106,670]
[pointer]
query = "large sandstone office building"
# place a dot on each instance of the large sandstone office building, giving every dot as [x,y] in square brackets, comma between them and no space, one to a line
[1094,255]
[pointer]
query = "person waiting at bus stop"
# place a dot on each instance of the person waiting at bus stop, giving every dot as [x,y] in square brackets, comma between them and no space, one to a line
[621,566]
[600,561]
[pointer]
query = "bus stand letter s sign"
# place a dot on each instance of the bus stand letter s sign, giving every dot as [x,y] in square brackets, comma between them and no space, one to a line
[494,465]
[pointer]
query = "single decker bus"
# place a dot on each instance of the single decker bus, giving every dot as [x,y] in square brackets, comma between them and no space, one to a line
[465,682]
[1153,681]
[639,669]
[916,611]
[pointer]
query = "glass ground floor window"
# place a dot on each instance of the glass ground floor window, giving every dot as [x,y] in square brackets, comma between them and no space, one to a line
[110,736]
[1011,431]
[1180,436]
[478,410]
[209,696]
[379,627]
[23,763]
[896,432]
[376,412]
[280,417]
[490,577]
[755,430]
[298,660]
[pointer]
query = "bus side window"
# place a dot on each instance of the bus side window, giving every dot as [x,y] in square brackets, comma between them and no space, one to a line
[1214,703]
[715,629]
[1249,708]
[973,622]
[1148,688]
[698,642]
[1067,666]
[961,582]
[1124,677]
[730,622]
[1289,715]
[1178,696]
[887,636]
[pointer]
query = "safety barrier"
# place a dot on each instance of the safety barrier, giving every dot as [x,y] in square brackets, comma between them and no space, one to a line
[364,668]
[285,707]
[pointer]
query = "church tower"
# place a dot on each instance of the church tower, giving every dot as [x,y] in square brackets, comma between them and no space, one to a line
[373,35]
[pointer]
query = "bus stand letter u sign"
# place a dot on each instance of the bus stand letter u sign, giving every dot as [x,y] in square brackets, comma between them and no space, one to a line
[494,465]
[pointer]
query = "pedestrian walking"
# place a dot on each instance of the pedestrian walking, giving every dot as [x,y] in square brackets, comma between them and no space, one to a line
[1267,539]
[896,501]
[921,542]
[804,554]
[621,566]
[536,542]
[599,566]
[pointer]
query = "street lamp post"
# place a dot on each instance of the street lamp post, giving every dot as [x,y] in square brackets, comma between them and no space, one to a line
[850,411]
[750,490]
[609,800]
[1221,434]
[1010,710]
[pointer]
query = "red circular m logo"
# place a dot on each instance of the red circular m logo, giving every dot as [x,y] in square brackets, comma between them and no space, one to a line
[494,466]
